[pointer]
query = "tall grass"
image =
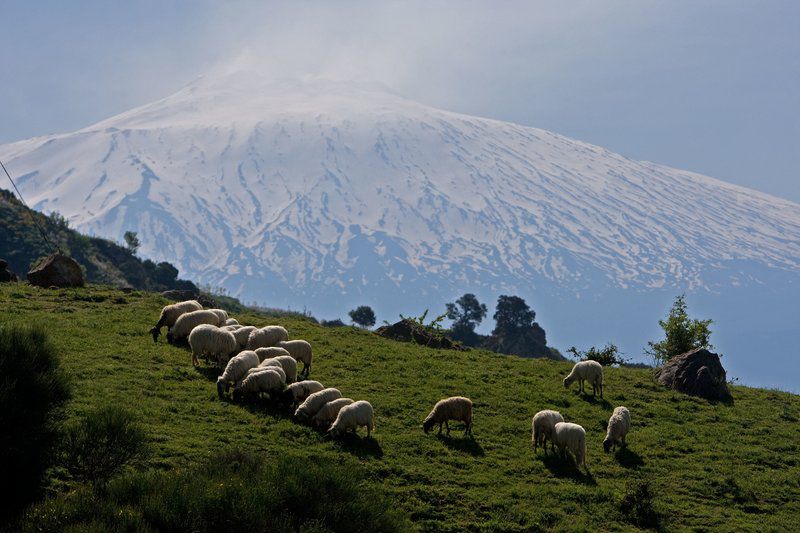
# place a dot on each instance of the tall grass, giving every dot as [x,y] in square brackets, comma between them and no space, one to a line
[233,491]
[33,389]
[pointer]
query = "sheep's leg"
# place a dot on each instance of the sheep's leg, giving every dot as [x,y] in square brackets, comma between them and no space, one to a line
[447,425]
[580,386]
[440,429]
[369,430]
[601,390]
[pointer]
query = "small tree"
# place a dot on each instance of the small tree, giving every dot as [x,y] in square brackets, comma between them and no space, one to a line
[466,313]
[363,315]
[682,334]
[606,356]
[132,241]
[102,443]
[512,316]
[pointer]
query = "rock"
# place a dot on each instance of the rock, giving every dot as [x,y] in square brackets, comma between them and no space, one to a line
[530,342]
[5,273]
[408,331]
[57,270]
[697,373]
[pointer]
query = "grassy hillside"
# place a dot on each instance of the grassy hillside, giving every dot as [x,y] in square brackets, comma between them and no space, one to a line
[709,466]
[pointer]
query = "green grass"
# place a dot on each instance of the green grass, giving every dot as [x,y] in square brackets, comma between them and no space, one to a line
[708,466]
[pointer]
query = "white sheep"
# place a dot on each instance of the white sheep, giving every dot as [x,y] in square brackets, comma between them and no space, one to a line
[242,333]
[353,416]
[618,426]
[267,336]
[188,321]
[232,322]
[301,351]
[591,371]
[236,370]
[329,412]
[231,328]
[211,341]
[270,352]
[314,403]
[572,437]
[542,427]
[298,392]
[222,314]
[276,367]
[267,381]
[170,313]
[286,362]
[454,408]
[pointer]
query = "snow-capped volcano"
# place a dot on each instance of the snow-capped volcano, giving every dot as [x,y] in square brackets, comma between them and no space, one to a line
[324,193]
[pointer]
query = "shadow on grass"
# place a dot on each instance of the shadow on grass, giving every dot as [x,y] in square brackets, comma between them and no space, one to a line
[211,373]
[361,447]
[628,458]
[466,444]
[594,400]
[263,406]
[565,468]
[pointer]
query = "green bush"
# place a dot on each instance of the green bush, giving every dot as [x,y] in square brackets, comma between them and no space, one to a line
[33,388]
[102,443]
[681,334]
[606,356]
[233,491]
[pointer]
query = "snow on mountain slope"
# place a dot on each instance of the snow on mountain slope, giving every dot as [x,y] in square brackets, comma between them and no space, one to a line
[296,191]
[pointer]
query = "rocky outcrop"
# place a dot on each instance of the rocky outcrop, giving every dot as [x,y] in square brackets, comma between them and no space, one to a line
[409,331]
[530,342]
[179,295]
[5,273]
[57,270]
[697,373]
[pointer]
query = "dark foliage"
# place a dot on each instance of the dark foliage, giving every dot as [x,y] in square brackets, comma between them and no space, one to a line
[363,315]
[512,316]
[335,323]
[637,506]
[132,241]
[233,491]
[681,334]
[33,389]
[608,355]
[102,443]
[466,313]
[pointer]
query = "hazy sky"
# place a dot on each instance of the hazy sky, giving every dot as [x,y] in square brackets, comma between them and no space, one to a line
[709,86]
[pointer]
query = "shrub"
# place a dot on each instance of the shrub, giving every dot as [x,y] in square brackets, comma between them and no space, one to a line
[637,506]
[102,443]
[606,356]
[363,315]
[232,491]
[681,334]
[335,323]
[33,389]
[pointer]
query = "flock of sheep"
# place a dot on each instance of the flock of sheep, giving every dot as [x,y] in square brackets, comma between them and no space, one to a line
[265,363]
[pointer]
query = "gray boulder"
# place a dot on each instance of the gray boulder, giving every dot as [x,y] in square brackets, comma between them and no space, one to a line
[697,373]
[57,270]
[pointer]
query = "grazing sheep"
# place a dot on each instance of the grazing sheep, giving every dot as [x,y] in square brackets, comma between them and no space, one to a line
[269,353]
[222,314]
[542,428]
[232,322]
[188,321]
[329,412]
[314,403]
[242,333]
[236,370]
[301,351]
[591,371]
[572,437]
[212,342]
[298,392]
[353,416]
[170,313]
[455,408]
[276,367]
[266,337]
[286,362]
[267,381]
[618,426]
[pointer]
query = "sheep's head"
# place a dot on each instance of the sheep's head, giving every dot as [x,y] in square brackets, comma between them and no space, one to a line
[607,445]
[427,425]
[237,394]
[334,432]
[220,388]
[155,332]
[567,382]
